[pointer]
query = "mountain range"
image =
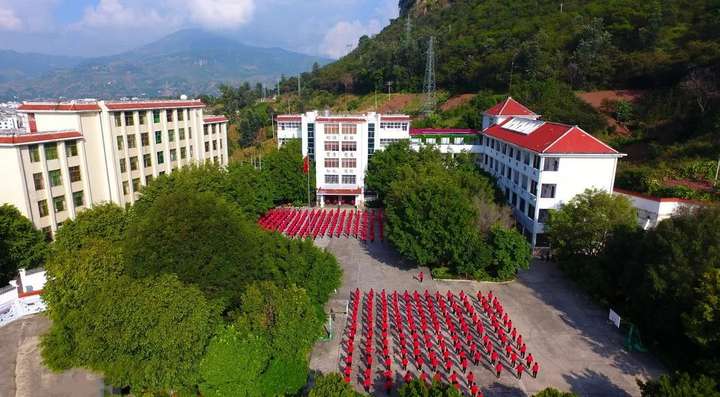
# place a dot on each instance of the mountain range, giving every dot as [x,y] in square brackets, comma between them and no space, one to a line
[185,62]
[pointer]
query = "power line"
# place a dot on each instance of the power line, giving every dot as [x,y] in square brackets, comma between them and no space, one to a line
[429,86]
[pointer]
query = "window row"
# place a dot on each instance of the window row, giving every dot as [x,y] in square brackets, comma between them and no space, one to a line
[147,159]
[335,163]
[51,151]
[346,129]
[78,199]
[207,128]
[55,177]
[289,125]
[131,139]
[130,119]
[332,179]
[394,125]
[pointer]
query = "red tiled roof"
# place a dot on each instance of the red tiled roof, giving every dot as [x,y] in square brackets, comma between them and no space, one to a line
[22,139]
[443,131]
[394,118]
[339,191]
[289,117]
[657,199]
[553,138]
[215,119]
[59,107]
[154,105]
[339,120]
[509,107]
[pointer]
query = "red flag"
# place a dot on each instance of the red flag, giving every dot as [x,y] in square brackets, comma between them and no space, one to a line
[306,165]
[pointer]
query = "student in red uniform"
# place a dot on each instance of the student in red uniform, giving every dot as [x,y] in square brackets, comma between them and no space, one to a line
[535,369]
[494,356]
[498,369]
[529,360]
[474,390]
[423,377]
[471,378]
[464,364]
[347,370]
[520,368]
[448,365]
[513,358]
[347,379]
[366,385]
[388,374]
[408,377]
[523,349]
[453,377]
[421,276]
[437,377]
[477,356]
[508,349]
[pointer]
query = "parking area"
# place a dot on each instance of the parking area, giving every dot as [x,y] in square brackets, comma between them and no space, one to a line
[578,350]
[22,373]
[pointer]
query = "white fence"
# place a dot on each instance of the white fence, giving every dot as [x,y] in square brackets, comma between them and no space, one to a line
[23,296]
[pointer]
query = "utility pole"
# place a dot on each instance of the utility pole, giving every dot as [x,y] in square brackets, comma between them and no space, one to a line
[408,29]
[429,86]
[389,84]
[717,172]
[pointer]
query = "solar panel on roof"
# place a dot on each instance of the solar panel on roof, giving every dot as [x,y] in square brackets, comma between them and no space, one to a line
[522,125]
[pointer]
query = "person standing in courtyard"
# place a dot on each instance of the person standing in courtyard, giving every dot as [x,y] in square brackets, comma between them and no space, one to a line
[535,369]
[520,368]
[421,276]
[498,369]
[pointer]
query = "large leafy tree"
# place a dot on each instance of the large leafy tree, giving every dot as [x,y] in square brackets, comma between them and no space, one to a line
[106,222]
[284,167]
[417,388]
[551,392]
[21,245]
[384,167]
[583,226]
[680,385]
[199,237]
[510,252]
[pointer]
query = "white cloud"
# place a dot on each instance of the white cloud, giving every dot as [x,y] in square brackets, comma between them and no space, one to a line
[221,14]
[115,14]
[8,19]
[343,36]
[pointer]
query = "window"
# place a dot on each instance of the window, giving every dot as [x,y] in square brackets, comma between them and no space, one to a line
[133,163]
[131,141]
[43,208]
[183,152]
[349,163]
[332,129]
[160,157]
[78,199]
[547,190]
[34,153]
[332,163]
[126,187]
[524,182]
[543,215]
[147,160]
[214,145]
[289,125]
[142,118]
[173,155]
[205,130]
[181,133]
[396,126]
[551,164]
[156,116]
[531,211]
[189,132]
[526,158]
[387,141]
[517,155]
[55,178]
[514,199]
[371,139]
[536,162]
[332,179]
[207,146]
[144,139]
[349,146]
[74,173]
[51,152]
[47,231]
[71,149]
[148,179]
[129,119]
[169,115]
[332,146]
[158,137]
[123,166]
[429,141]
[521,207]
[444,140]
[504,148]
[512,152]
[533,187]
[38,180]
[171,135]
[59,203]
[349,129]
[459,141]
[348,179]
[118,119]
[120,143]
[136,184]
[181,115]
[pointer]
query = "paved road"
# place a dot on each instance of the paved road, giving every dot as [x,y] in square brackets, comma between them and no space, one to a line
[577,348]
[22,373]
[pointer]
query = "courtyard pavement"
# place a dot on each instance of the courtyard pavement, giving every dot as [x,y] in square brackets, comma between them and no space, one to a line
[22,373]
[577,348]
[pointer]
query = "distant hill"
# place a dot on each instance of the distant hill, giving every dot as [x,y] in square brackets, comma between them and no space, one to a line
[18,66]
[185,62]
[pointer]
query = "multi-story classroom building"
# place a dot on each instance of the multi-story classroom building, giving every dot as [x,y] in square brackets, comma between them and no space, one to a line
[76,154]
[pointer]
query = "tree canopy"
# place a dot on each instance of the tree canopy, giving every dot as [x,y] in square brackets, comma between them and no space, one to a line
[331,385]
[21,245]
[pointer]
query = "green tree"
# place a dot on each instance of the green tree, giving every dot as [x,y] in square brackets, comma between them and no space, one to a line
[284,167]
[21,245]
[510,252]
[551,392]
[703,323]
[582,227]
[102,222]
[200,237]
[384,167]
[680,385]
[332,385]
[417,388]
[592,58]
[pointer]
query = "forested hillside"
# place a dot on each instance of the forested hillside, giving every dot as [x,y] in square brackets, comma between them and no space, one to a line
[587,44]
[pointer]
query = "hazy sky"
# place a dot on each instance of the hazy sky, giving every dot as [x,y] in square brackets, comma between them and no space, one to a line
[104,27]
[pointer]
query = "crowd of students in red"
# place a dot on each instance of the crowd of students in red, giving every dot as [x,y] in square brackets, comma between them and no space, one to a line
[322,222]
[433,333]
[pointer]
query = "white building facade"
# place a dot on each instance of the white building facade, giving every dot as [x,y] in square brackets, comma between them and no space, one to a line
[340,147]
[75,155]
[541,165]
[652,210]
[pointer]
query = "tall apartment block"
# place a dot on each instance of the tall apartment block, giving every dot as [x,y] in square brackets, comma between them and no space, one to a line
[76,154]
[340,146]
